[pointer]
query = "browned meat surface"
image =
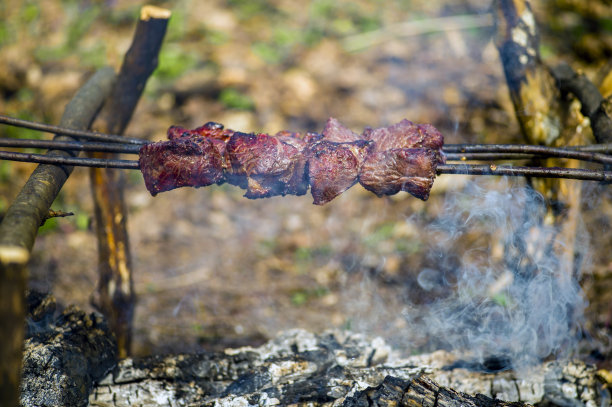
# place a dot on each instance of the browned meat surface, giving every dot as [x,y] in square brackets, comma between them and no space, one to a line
[269,166]
[178,163]
[386,160]
[405,134]
[333,168]
[400,169]
[335,131]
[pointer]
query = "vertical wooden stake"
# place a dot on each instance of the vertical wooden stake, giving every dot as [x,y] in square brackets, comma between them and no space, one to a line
[115,292]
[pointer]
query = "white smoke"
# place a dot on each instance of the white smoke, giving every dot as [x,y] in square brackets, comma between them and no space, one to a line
[511,299]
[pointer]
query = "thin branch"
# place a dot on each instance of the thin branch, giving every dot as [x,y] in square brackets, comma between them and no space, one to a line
[115,289]
[413,28]
[77,133]
[590,98]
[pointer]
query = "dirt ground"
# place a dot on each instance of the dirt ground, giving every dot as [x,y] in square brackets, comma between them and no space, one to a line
[213,269]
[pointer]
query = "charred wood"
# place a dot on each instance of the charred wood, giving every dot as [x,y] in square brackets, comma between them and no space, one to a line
[338,368]
[592,102]
[65,354]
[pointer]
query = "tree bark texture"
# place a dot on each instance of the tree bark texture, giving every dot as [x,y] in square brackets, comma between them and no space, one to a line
[545,118]
[339,369]
[115,296]
[20,226]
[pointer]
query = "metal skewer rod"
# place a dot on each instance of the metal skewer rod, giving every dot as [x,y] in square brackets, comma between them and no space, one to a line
[71,145]
[481,153]
[574,153]
[72,161]
[463,169]
[536,172]
[92,135]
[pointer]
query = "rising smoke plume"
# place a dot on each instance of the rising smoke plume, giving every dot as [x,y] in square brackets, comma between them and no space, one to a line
[509,298]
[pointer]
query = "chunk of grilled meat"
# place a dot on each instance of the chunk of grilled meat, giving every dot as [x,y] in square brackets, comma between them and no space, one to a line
[386,160]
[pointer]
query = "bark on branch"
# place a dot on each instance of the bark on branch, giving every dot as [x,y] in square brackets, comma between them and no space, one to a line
[115,292]
[20,226]
[592,102]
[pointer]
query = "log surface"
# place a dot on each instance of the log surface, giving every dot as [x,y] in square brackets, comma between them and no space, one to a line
[340,369]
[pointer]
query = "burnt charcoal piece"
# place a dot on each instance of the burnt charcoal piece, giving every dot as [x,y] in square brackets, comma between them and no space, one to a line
[182,162]
[333,168]
[266,166]
[336,132]
[400,169]
[405,134]
[65,355]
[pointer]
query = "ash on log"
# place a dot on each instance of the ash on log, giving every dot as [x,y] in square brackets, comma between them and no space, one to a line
[340,369]
[20,226]
[65,354]
[115,291]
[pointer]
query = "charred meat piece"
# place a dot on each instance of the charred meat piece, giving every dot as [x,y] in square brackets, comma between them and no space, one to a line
[182,162]
[175,132]
[336,132]
[266,166]
[333,168]
[405,134]
[400,169]
[386,160]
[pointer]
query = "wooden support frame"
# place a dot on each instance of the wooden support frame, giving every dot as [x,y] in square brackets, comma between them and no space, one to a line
[20,226]
[115,296]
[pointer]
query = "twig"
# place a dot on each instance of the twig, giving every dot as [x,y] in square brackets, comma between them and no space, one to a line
[591,100]
[413,28]
[56,214]
[77,133]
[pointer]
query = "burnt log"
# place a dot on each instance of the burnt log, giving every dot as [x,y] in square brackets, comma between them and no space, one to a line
[340,369]
[65,354]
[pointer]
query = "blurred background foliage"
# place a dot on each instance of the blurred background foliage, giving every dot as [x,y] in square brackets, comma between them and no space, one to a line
[258,65]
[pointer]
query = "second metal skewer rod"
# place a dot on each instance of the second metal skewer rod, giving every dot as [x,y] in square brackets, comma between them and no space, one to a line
[458,169]
[71,145]
[113,138]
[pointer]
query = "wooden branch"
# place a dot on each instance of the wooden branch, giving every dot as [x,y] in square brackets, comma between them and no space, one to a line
[543,115]
[591,100]
[532,87]
[115,291]
[20,226]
